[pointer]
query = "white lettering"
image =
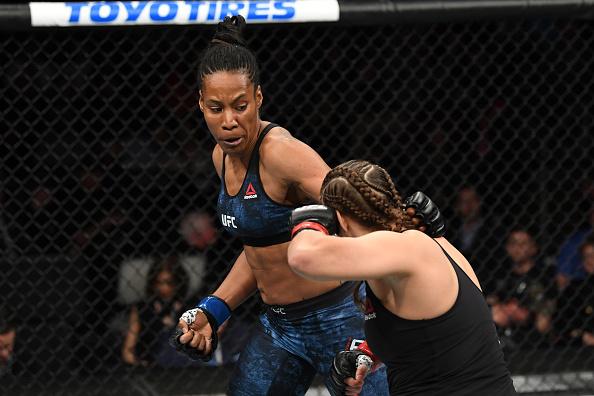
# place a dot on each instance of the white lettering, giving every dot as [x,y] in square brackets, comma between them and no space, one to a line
[355,344]
[228,221]
[279,310]
[180,12]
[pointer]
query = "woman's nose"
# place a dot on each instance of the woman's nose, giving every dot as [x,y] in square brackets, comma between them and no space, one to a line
[229,120]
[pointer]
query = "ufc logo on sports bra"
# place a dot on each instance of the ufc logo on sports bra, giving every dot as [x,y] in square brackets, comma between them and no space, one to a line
[228,221]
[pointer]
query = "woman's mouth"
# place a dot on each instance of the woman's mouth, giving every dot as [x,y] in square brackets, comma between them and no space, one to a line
[232,142]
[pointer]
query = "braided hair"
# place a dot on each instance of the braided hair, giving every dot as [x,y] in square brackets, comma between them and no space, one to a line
[228,51]
[366,192]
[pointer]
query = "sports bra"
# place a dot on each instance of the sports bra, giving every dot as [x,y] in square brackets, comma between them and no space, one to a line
[251,214]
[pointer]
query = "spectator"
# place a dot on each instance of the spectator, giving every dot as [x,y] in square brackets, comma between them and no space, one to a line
[192,244]
[574,320]
[569,262]
[198,230]
[7,340]
[152,321]
[472,233]
[524,299]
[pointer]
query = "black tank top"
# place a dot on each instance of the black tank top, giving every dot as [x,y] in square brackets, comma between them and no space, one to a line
[457,353]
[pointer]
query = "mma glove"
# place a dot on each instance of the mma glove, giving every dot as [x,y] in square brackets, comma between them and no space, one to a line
[428,212]
[313,217]
[216,311]
[345,365]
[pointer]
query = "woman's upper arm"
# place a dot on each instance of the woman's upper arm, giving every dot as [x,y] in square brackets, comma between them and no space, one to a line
[372,256]
[297,163]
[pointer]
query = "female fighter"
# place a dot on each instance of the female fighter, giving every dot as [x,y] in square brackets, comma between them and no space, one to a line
[265,173]
[425,315]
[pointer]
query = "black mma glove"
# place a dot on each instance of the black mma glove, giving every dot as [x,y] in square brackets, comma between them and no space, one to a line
[428,212]
[216,311]
[313,217]
[192,353]
[345,366]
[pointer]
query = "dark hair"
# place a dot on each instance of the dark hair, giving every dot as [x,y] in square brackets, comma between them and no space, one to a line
[523,227]
[589,241]
[228,51]
[180,277]
[367,193]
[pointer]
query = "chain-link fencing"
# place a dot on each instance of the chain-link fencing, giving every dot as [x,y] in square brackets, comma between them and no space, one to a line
[106,169]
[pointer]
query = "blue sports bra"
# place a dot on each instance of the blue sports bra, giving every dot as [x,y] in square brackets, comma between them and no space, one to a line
[251,214]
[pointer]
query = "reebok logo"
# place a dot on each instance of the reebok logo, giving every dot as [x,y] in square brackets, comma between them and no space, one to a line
[250,192]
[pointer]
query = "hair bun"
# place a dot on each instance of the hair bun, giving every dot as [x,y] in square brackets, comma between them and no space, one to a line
[230,31]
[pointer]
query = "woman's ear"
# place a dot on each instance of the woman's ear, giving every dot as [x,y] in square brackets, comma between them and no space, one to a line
[200,101]
[259,97]
[342,222]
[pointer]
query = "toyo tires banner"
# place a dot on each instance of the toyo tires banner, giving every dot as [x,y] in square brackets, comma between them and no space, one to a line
[103,13]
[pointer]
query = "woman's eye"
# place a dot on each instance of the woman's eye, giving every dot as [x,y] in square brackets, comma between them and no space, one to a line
[241,107]
[216,109]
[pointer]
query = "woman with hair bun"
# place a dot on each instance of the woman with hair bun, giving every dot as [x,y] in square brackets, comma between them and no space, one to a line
[265,173]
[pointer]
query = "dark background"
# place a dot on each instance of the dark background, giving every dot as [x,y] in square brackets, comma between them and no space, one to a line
[104,152]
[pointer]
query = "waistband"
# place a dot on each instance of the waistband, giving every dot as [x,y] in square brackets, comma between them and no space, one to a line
[302,308]
[281,237]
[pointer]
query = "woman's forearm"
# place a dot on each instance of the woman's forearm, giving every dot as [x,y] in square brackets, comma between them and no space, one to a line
[239,284]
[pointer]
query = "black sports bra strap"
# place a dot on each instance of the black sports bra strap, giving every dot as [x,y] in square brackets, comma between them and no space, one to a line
[458,268]
[264,132]
[446,253]
[255,160]
[256,151]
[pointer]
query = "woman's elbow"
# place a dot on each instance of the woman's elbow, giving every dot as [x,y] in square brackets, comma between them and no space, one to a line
[299,261]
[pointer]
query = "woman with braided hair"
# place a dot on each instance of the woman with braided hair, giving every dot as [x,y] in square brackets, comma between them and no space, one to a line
[425,315]
[265,172]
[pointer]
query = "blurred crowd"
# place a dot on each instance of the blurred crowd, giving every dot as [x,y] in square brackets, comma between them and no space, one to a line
[130,302]
[128,241]
[536,301]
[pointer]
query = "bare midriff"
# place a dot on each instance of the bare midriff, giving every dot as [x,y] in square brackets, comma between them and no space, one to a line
[277,283]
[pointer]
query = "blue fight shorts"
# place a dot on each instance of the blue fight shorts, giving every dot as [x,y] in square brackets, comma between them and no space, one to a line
[294,342]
